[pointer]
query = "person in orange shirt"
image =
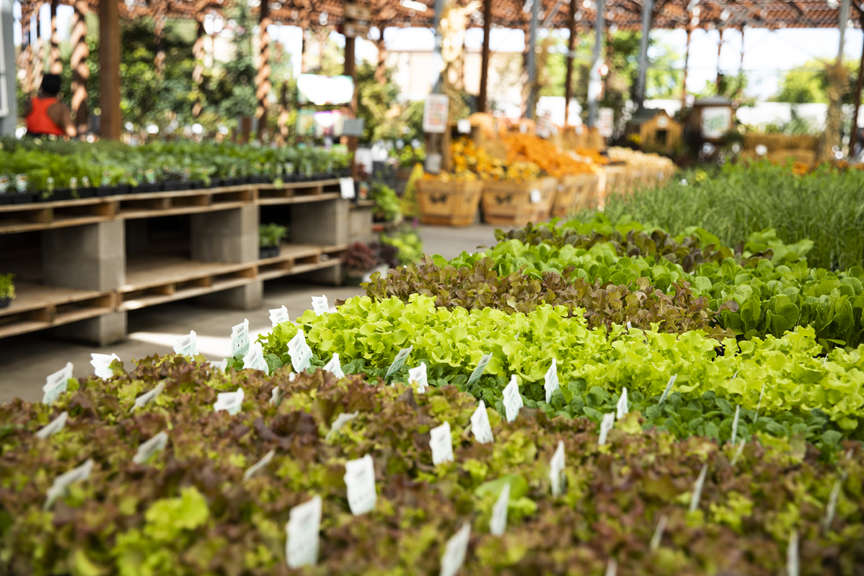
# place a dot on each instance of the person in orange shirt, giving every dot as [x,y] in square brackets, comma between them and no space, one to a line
[46,114]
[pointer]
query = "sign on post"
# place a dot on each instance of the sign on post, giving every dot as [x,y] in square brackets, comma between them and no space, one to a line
[435,113]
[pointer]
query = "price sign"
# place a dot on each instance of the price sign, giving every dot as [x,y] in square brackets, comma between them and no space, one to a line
[53,427]
[417,377]
[480,424]
[512,400]
[551,380]
[435,112]
[102,364]
[240,339]
[147,449]
[360,482]
[346,188]
[535,196]
[463,126]
[301,544]
[353,127]
[56,384]
[441,443]
[300,352]
[478,371]
[231,402]
[498,522]
[334,366]
[279,315]
[187,345]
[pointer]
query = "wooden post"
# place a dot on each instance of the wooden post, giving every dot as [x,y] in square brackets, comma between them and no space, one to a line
[381,63]
[718,75]
[641,83]
[262,78]
[595,82]
[78,63]
[198,71]
[568,76]
[109,69]
[56,65]
[483,96]
[686,65]
[859,85]
[159,20]
[741,55]
[25,61]
[531,106]
[38,55]
[350,68]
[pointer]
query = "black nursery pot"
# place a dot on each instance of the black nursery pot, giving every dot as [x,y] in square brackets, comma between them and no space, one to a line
[61,194]
[268,252]
[5,302]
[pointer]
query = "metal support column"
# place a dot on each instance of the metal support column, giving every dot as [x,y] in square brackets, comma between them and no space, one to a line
[595,82]
[647,7]
[531,106]
[483,97]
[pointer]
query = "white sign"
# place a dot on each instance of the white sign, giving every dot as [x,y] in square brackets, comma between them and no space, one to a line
[299,351]
[240,338]
[455,550]
[346,188]
[464,126]
[276,396]
[334,366]
[622,407]
[551,380]
[441,443]
[605,122]
[301,544]
[605,426]
[62,482]
[102,364]
[697,489]
[258,466]
[792,555]
[735,424]
[435,113]
[340,421]
[148,397]
[831,508]
[398,361]
[716,122]
[231,402]
[498,522]
[556,470]
[657,537]
[254,359]
[353,127]
[279,315]
[480,424]
[360,481]
[417,377]
[320,305]
[512,400]
[478,371]
[56,383]
[147,449]
[668,388]
[53,427]
[187,345]
[219,365]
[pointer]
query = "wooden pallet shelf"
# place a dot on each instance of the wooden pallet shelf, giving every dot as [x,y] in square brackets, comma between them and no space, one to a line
[297,259]
[39,307]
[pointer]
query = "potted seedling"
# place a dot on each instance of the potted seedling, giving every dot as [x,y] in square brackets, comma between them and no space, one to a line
[359,259]
[7,290]
[270,236]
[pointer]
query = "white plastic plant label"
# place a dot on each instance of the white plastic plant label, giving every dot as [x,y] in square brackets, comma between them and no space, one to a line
[102,364]
[418,378]
[463,126]
[258,466]
[697,488]
[792,568]
[240,338]
[441,443]
[735,424]
[556,470]
[738,452]
[512,400]
[150,447]
[478,371]
[668,388]
[346,188]
[219,365]
[53,427]
[279,316]
[551,380]
[276,396]
[611,567]
[340,421]
[56,384]
[605,426]
[498,522]
[622,407]
[657,537]
[187,345]
[480,424]
[360,481]
[231,402]
[301,544]
[535,196]
[148,397]
[398,361]
[300,352]
[62,482]
[334,366]
[831,508]
[320,305]
[254,359]
[455,550]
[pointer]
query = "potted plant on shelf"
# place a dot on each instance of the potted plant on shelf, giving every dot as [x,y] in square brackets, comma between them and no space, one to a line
[270,236]
[360,260]
[7,290]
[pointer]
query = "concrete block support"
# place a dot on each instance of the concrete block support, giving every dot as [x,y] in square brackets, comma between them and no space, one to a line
[101,331]
[320,223]
[226,235]
[328,276]
[91,257]
[246,297]
[360,225]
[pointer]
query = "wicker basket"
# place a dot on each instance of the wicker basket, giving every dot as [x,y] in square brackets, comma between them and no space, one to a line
[586,191]
[509,203]
[451,203]
[617,180]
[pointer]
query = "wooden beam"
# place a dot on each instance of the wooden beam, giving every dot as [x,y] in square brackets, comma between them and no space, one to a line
[859,85]
[262,77]
[483,97]
[198,70]
[111,121]
[78,63]
[686,66]
[568,76]
[55,65]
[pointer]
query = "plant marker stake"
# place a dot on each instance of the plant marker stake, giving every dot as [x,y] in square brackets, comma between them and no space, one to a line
[611,568]
[300,352]
[102,364]
[658,533]
[148,397]
[258,466]
[301,531]
[279,315]
[479,370]
[556,469]
[53,427]
[240,338]
[360,484]
[340,421]
[697,488]
[441,443]
[605,426]
[398,362]
[668,388]
[62,482]
[56,384]
[512,400]
[276,396]
[147,449]
[550,383]
[480,424]
[622,408]
[735,424]
[498,522]
[254,359]
[792,555]
[831,508]
[455,550]
[187,345]
[418,378]
[334,366]
[759,404]
[320,305]
[231,402]
[738,452]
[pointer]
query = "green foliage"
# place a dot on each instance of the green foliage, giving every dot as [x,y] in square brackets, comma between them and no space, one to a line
[271,235]
[387,205]
[407,242]
[189,510]
[7,286]
[238,80]
[809,83]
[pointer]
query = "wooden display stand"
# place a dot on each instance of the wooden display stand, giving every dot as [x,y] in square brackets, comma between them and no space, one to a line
[452,203]
[576,192]
[510,203]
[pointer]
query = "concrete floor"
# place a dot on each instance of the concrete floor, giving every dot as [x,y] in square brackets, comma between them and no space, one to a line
[26,360]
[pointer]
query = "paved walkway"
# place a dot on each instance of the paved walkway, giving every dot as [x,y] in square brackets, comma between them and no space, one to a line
[26,360]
